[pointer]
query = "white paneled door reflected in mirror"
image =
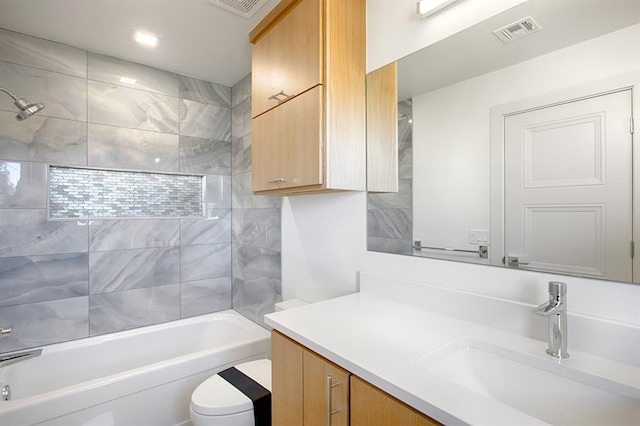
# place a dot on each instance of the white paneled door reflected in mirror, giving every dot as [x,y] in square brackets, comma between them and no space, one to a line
[521,152]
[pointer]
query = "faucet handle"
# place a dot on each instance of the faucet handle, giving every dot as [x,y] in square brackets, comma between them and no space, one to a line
[557,288]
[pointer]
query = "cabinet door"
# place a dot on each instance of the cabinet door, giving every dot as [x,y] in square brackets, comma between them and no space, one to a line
[288,144]
[326,392]
[372,407]
[286,381]
[287,58]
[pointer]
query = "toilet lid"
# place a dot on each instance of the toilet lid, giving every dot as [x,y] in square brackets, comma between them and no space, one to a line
[217,397]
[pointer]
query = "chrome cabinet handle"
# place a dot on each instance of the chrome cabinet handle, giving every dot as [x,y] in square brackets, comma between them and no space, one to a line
[330,410]
[276,180]
[277,95]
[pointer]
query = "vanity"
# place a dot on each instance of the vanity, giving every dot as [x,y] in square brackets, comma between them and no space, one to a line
[373,356]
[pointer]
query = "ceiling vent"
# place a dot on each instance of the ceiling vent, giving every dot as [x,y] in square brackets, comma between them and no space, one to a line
[518,29]
[244,8]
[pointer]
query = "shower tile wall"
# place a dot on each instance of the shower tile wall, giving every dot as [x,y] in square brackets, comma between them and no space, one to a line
[257,281]
[68,279]
[389,219]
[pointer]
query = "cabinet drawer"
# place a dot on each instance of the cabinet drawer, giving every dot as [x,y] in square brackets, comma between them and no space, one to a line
[288,144]
[371,406]
[287,58]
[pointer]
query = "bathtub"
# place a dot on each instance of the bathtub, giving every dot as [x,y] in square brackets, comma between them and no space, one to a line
[137,377]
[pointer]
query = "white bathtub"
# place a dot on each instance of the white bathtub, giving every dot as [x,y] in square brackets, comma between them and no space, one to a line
[137,377]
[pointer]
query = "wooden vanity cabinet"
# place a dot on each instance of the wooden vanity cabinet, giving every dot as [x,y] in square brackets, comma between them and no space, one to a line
[308,98]
[306,388]
[372,407]
[309,390]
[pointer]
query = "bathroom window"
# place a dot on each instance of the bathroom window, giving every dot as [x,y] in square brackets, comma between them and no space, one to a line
[98,193]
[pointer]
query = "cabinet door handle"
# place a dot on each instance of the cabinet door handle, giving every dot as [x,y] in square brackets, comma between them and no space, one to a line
[276,180]
[330,410]
[277,95]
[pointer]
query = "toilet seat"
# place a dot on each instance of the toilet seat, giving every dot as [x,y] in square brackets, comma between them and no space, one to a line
[217,397]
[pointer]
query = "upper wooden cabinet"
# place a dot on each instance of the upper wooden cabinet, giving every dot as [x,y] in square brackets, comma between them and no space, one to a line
[308,98]
[287,60]
[382,129]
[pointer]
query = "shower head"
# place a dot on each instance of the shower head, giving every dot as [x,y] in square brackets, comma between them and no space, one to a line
[26,109]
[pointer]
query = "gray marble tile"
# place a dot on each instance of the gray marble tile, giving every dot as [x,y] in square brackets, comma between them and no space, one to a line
[108,69]
[27,232]
[31,279]
[123,310]
[217,192]
[243,198]
[241,90]
[392,200]
[119,270]
[405,108]
[39,53]
[405,159]
[241,155]
[216,228]
[205,261]
[257,227]
[254,264]
[205,296]
[205,121]
[256,299]
[390,245]
[241,119]
[63,96]
[24,185]
[40,138]
[122,148]
[391,223]
[43,323]
[136,109]
[124,234]
[198,155]
[205,92]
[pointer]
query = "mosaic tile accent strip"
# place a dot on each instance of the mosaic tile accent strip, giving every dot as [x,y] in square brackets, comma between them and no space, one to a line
[92,193]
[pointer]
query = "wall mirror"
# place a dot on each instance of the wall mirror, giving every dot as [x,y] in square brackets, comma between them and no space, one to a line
[515,143]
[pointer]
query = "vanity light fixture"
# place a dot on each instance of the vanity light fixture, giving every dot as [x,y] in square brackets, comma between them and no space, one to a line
[144,38]
[128,80]
[429,7]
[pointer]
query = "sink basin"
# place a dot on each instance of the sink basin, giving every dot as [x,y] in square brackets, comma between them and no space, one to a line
[540,387]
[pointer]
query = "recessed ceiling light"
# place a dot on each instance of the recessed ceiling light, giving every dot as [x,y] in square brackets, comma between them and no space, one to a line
[127,80]
[144,38]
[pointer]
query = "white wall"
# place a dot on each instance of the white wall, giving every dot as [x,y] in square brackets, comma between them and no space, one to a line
[451,134]
[324,236]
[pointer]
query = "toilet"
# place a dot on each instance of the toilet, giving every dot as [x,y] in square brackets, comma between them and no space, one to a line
[216,402]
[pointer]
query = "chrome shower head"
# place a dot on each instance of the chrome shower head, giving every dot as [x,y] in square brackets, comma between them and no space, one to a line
[26,109]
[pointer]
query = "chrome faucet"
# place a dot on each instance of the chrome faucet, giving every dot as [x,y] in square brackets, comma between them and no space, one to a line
[8,358]
[556,310]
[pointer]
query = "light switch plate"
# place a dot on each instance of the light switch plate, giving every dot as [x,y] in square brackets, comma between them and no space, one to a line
[479,237]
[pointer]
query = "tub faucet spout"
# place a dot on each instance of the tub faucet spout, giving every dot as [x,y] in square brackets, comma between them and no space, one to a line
[9,358]
[555,309]
[5,330]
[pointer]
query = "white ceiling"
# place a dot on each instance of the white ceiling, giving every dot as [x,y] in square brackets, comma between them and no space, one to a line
[478,51]
[198,39]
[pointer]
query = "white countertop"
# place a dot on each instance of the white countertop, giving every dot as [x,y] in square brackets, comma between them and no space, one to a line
[381,340]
